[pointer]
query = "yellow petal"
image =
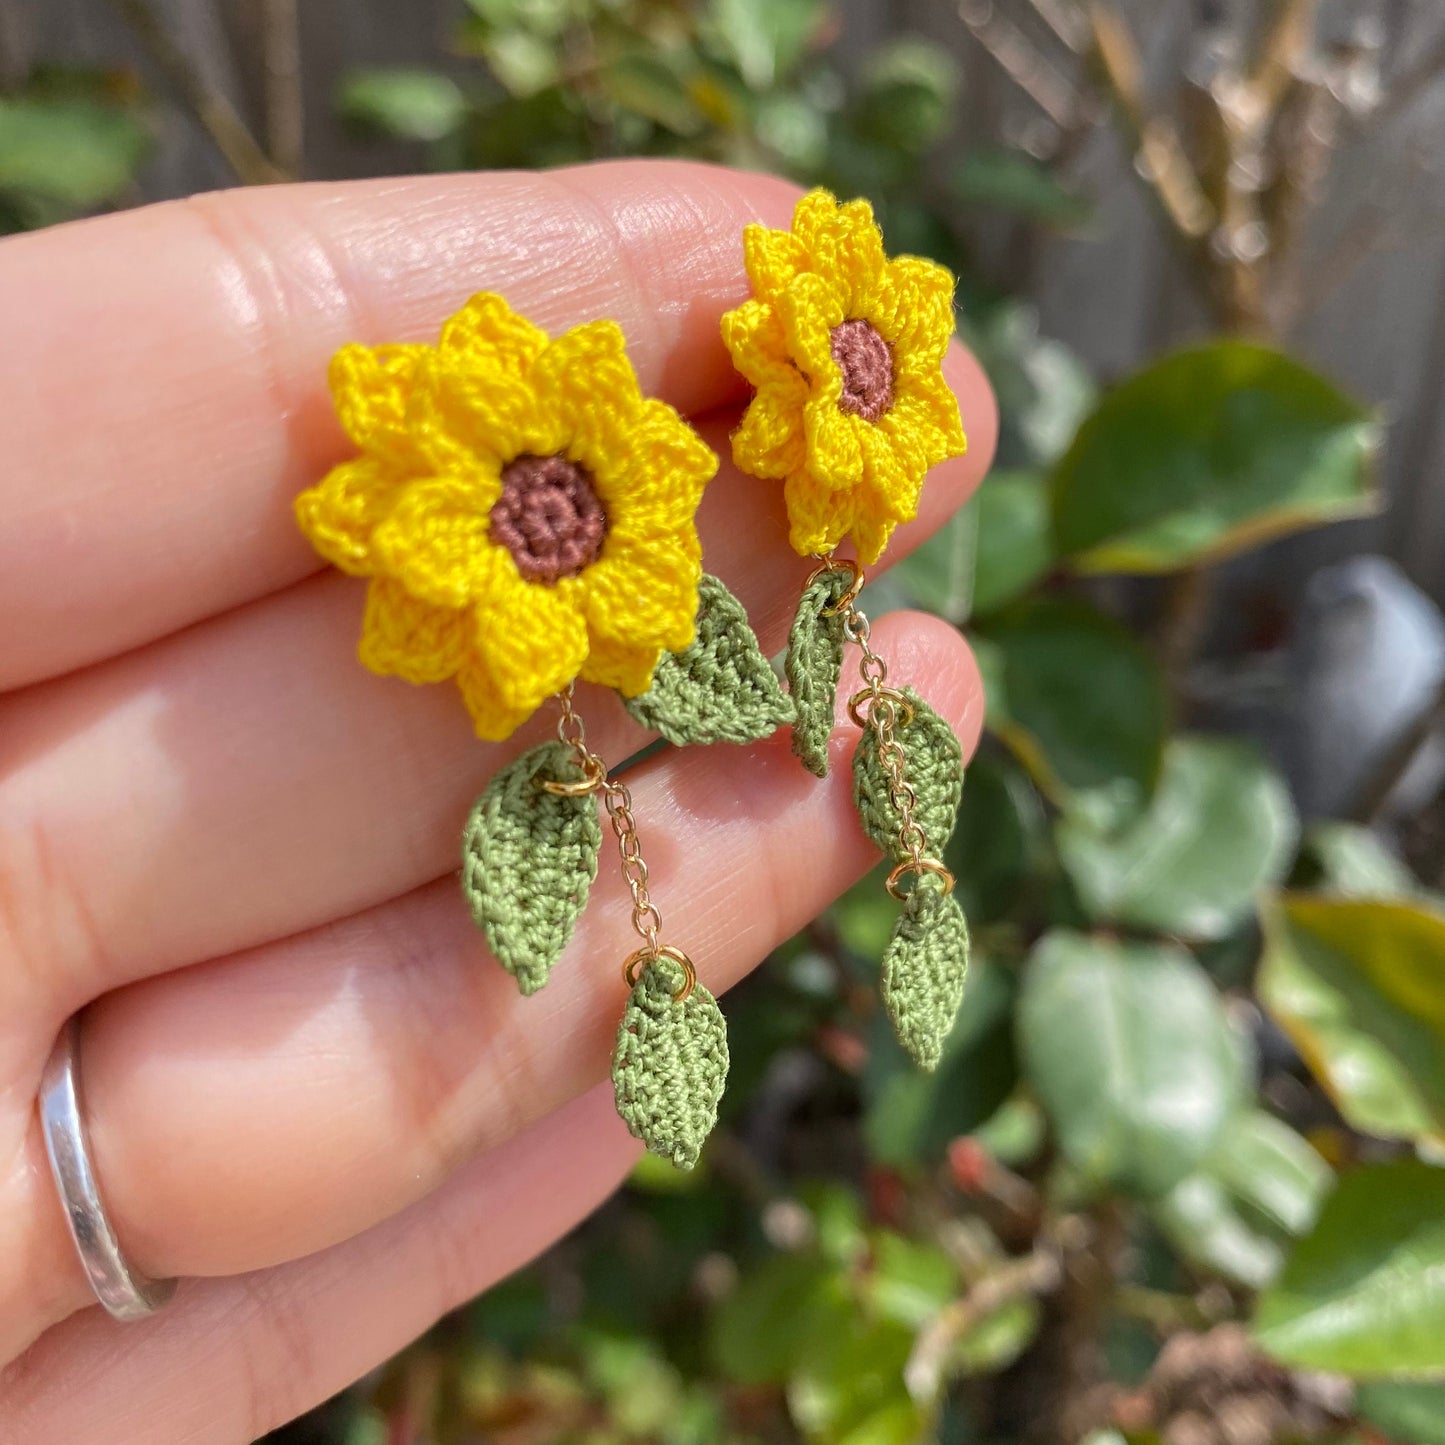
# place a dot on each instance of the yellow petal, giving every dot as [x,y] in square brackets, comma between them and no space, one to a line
[653,481]
[587,374]
[893,471]
[809,310]
[486,335]
[845,244]
[492,718]
[371,387]
[818,517]
[645,595]
[402,636]
[915,313]
[925,412]
[530,638]
[338,514]
[772,259]
[770,440]
[835,443]
[619,665]
[754,336]
[434,541]
[871,531]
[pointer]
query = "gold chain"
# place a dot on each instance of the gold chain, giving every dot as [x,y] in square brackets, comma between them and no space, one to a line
[618,801]
[887,709]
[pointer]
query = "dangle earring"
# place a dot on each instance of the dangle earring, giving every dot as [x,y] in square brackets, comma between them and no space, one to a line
[844,348]
[526,520]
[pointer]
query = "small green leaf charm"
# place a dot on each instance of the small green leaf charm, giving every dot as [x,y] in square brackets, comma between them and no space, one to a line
[934,768]
[721,689]
[924,970]
[670,1064]
[813,663]
[528,861]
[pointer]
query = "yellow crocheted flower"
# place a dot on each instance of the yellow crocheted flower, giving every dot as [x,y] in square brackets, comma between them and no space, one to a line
[845,349]
[524,513]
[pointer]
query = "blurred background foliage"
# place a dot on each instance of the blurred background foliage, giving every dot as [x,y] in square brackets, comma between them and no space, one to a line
[1180,1177]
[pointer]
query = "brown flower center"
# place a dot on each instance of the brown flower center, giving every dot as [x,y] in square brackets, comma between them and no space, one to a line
[549,517]
[866,361]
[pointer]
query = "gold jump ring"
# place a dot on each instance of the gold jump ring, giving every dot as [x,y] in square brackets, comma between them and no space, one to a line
[855,582]
[923,865]
[594,776]
[866,694]
[650,955]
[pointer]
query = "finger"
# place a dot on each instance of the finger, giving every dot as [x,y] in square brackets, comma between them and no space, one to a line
[165,377]
[260,1107]
[294,1335]
[247,779]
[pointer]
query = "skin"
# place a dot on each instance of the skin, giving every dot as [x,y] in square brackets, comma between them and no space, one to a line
[310,1093]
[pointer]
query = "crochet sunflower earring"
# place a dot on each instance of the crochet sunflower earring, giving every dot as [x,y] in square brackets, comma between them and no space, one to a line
[844,347]
[526,519]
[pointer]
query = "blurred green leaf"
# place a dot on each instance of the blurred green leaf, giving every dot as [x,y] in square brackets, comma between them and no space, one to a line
[794,129]
[765,38]
[1410,1414]
[997,1340]
[1014,545]
[647,86]
[911,1116]
[1016,183]
[911,1280]
[1360,989]
[788,1305]
[1348,861]
[1000,829]
[522,60]
[1364,1292]
[1206,453]
[1219,827]
[1201,1220]
[1044,390]
[1078,698]
[910,87]
[1273,1170]
[69,151]
[939,574]
[1129,1050]
[837,1212]
[1261,1185]
[853,1392]
[412,104]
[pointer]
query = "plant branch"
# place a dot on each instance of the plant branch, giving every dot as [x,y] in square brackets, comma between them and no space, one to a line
[1046,86]
[285,109]
[216,115]
[1166,168]
[1038,1273]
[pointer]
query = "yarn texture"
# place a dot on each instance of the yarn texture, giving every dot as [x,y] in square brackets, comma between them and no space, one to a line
[529,858]
[670,1064]
[924,970]
[721,688]
[525,514]
[933,765]
[845,349]
[813,663]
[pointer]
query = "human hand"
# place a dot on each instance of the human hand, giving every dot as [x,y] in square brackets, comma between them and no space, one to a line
[309,1092]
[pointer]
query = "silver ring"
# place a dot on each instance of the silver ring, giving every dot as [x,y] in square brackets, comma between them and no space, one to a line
[125,1292]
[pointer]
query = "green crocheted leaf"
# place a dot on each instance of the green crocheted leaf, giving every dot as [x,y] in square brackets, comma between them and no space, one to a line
[528,861]
[721,689]
[670,1064]
[933,765]
[813,662]
[924,970]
